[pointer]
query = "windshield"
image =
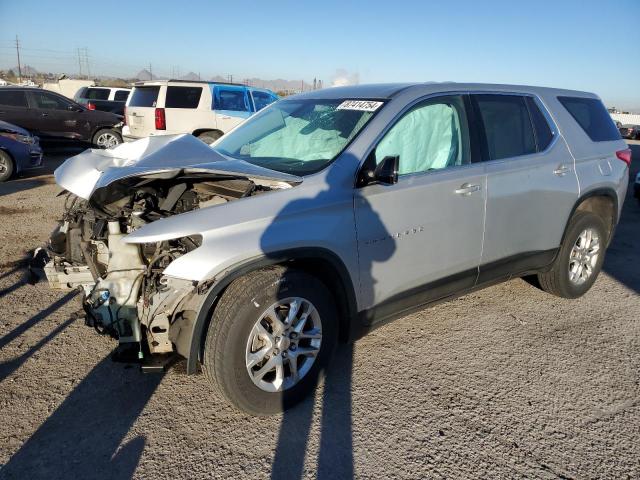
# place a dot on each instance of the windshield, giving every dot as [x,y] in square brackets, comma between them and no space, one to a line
[299,137]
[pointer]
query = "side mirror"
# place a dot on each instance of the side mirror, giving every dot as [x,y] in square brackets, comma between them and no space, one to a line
[386,172]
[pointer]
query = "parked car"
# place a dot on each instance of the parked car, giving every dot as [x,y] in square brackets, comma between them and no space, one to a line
[204,109]
[53,117]
[632,132]
[636,187]
[106,99]
[19,151]
[329,213]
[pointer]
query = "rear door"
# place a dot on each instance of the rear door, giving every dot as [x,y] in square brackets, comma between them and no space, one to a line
[231,104]
[531,184]
[15,109]
[141,109]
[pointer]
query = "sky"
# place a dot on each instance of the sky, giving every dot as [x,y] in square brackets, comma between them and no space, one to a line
[579,44]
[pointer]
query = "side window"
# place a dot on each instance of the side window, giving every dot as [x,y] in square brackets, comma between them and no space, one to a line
[121,96]
[431,136]
[543,132]
[97,94]
[592,116]
[261,99]
[183,97]
[507,125]
[46,101]
[230,99]
[13,98]
[144,96]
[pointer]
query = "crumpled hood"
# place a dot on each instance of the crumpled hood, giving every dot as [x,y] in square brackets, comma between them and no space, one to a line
[162,155]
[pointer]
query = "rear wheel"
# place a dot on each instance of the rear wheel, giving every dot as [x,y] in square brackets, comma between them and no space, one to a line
[107,138]
[580,258]
[270,335]
[6,166]
[209,137]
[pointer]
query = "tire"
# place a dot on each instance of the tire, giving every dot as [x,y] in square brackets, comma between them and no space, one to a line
[557,280]
[233,322]
[6,166]
[106,138]
[209,137]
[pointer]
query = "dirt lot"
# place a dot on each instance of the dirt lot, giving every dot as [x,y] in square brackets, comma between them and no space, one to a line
[506,382]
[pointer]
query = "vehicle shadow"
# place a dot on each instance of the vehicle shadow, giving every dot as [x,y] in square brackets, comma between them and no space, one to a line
[82,438]
[623,255]
[335,456]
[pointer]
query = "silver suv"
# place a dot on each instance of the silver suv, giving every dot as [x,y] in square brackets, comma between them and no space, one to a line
[329,213]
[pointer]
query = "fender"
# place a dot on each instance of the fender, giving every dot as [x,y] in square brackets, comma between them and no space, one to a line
[597,192]
[347,302]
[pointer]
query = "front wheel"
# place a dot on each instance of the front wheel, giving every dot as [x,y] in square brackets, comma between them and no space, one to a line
[6,166]
[107,138]
[580,258]
[270,336]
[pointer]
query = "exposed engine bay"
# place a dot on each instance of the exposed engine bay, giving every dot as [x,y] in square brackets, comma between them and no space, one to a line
[122,283]
[125,294]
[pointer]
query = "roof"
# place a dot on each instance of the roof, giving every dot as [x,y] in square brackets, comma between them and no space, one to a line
[388,90]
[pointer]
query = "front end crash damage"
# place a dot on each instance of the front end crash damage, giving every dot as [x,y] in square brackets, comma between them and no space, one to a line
[112,193]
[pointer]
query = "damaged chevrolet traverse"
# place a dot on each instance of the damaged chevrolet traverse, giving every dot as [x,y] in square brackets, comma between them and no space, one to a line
[328,213]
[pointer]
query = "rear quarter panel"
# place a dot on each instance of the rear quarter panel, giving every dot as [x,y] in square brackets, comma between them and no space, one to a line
[596,164]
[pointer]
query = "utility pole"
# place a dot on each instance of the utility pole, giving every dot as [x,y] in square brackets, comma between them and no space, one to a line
[19,66]
[79,64]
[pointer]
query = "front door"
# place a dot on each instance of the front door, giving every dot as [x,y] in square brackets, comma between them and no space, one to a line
[421,238]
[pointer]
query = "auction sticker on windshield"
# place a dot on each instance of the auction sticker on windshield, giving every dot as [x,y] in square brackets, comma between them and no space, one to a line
[361,105]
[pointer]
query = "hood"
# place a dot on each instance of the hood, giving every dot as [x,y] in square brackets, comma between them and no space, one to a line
[161,157]
[11,128]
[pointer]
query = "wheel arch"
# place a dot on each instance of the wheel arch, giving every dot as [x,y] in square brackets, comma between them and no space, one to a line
[198,131]
[318,261]
[602,202]
[104,127]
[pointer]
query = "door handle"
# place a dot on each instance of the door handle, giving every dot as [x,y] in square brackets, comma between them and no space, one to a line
[561,170]
[467,189]
[44,114]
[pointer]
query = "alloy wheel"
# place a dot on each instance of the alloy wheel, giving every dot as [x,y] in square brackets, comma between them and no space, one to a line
[584,256]
[283,344]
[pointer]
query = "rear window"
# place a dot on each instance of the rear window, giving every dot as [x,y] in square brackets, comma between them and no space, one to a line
[121,95]
[13,98]
[507,125]
[183,97]
[96,94]
[144,96]
[593,117]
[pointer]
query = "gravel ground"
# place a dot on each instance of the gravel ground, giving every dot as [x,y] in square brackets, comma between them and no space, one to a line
[505,382]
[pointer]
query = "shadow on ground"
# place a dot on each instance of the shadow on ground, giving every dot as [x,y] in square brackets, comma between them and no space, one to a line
[82,438]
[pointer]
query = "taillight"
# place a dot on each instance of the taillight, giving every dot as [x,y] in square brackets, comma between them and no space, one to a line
[91,106]
[624,155]
[161,123]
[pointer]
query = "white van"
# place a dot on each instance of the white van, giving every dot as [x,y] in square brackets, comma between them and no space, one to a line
[207,110]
